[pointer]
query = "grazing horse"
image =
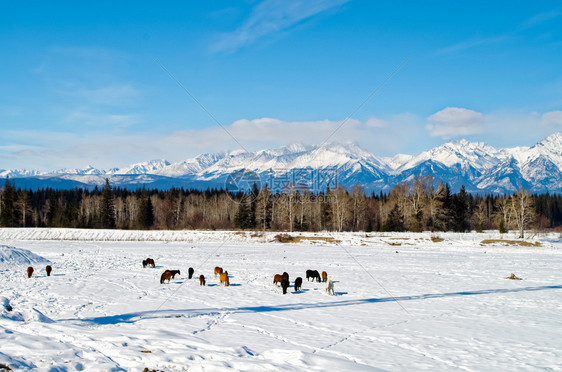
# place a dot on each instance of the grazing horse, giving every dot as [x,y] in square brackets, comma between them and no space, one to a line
[148,262]
[324,276]
[277,278]
[330,288]
[29,271]
[224,279]
[285,284]
[48,269]
[166,275]
[173,273]
[201,279]
[314,274]
[190,272]
[298,283]
[218,270]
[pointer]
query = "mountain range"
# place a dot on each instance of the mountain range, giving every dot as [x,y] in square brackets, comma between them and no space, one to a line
[479,167]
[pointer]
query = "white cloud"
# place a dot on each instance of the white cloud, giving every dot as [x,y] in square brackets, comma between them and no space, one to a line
[552,118]
[455,121]
[269,17]
[376,123]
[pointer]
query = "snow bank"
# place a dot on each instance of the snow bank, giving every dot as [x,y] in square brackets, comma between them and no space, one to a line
[12,256]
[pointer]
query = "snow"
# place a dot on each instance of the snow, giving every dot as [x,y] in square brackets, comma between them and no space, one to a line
[477,162]
[10,256]
[403,302]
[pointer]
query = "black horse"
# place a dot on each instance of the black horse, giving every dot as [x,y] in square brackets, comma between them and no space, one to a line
[298,284]
[314,274]
[285,284]
[190,272]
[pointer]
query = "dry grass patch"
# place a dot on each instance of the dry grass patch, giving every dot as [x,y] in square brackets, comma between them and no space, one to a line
[520,243]
[286,238]
[436,239]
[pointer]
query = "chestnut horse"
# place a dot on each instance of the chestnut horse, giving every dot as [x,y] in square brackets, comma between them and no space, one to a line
[324,276]
[166,275]
[278,278]
[224,279]
[29,271]
[201,279]
[218,270]
[48,269]
[174,273]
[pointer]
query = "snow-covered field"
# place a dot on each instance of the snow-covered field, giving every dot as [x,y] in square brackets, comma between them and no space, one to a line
[403,302]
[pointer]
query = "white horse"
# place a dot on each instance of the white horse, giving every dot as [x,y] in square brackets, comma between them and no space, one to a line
[330,288]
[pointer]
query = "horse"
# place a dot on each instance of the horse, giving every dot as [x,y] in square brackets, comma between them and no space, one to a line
[29,272]
[314,274]
[224,279]
[201,279]
[330,288]
[286,276]
[284,285]
[48,269]
[298,283]
[324,276]
[218,270]
[173,273]
[277,278]
[190,272]
[148,262]
[166,275]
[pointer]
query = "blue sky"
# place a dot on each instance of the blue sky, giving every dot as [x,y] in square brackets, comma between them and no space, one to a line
[104,83]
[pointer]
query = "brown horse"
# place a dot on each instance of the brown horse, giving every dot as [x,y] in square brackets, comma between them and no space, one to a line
[324,277]
[48,269]
[218,270]
[166,275]
[148,262]
[224,279]
[201,279]
[278,278]
[174,273]
[29,271]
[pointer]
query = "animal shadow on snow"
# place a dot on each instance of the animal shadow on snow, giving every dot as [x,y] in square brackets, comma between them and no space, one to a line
[158,314]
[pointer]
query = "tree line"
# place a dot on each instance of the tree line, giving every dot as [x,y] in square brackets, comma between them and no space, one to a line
[418,206]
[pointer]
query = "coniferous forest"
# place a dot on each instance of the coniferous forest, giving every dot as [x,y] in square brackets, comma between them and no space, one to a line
[419,206]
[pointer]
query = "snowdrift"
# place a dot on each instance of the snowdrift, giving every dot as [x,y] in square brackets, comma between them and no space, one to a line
[12,256]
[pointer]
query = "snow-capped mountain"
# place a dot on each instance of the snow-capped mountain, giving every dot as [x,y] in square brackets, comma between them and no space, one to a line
[479,167]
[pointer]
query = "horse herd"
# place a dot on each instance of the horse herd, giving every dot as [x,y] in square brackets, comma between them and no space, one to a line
[281,279]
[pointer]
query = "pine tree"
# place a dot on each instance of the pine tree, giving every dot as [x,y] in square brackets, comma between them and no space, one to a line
[8,212]
[145,218]
[395,220]
[107,213]
[244,218]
